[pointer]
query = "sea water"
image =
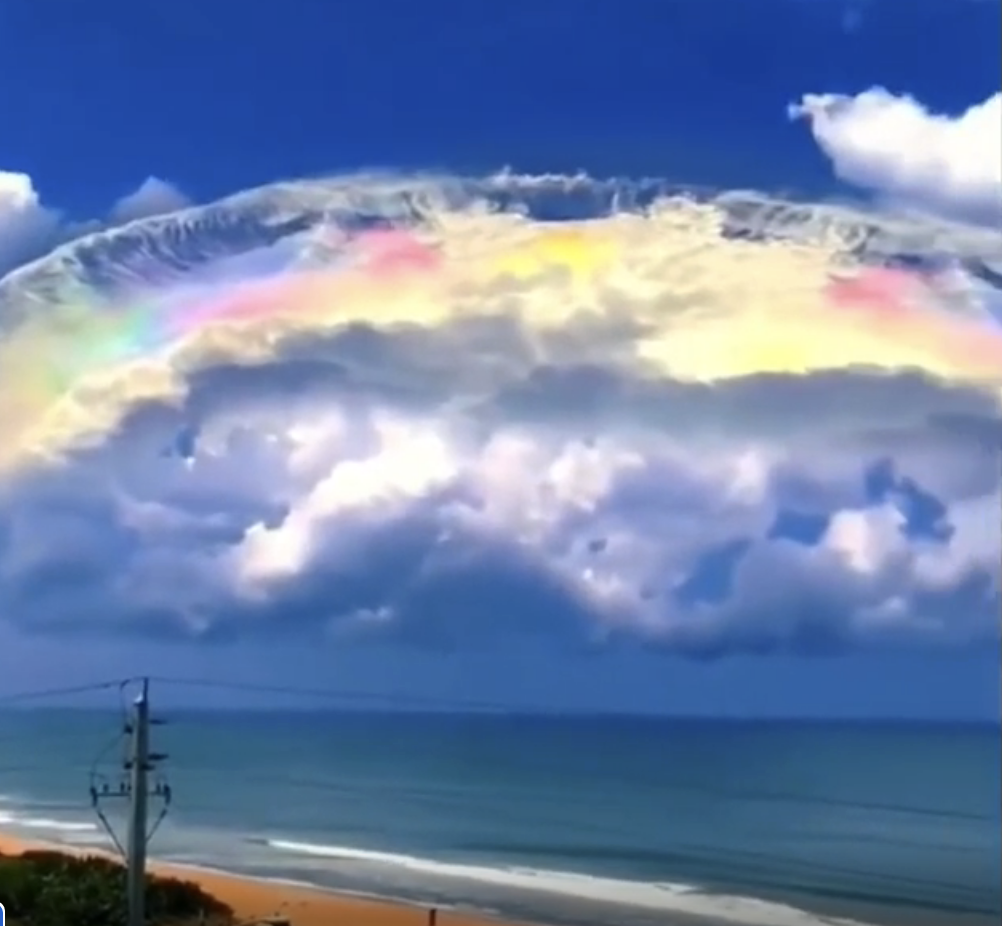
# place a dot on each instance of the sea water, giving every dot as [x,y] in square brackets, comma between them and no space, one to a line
[553,819]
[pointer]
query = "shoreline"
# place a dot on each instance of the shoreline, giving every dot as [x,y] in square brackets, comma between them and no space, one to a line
[264,899]
[258,899]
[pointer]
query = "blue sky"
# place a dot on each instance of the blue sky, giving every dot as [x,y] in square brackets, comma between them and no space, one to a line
[213,100]
[217,102]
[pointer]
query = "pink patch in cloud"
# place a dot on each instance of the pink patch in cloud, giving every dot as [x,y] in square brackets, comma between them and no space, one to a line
[888,294]
[395,251]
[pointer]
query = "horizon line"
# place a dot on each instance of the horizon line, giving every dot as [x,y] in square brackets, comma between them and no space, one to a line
[524,713]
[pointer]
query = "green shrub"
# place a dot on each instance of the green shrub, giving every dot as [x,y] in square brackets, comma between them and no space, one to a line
[52,889]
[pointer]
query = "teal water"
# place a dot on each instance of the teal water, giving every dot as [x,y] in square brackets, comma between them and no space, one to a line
[576,820]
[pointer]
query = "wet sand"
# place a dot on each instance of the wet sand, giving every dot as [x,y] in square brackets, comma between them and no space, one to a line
[256,900]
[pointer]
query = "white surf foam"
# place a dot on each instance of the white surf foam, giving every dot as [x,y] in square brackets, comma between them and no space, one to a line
[676,898]
[44,823]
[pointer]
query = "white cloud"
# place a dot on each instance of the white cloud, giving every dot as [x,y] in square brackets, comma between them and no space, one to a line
[322,514]
[153,197]
[670,291]
[28,228]
[25,224]
[894,145]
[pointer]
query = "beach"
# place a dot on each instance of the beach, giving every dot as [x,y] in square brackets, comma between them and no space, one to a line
[255,900]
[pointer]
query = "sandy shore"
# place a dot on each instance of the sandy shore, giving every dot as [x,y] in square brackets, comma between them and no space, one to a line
[255,900]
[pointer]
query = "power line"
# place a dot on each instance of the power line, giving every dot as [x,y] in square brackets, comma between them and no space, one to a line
[397,700]
[349,695]
[747,859]
[42,693]
[33,738]
[344,695]
[465,800]
[23,768]
[447,796]
[459,800]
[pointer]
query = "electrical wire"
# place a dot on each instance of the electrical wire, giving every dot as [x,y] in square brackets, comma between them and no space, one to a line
[458,801]
[694,787]
[347,696]
[22,696]
[98,784]
[738,862]
[22,768]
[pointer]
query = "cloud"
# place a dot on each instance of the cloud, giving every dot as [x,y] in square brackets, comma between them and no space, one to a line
[605,440]
[26,225]
[28,228]
[893,145]
[327,508]
[685,290]
[153,197]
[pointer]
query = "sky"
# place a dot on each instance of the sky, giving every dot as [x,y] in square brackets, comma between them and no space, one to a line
[559,355]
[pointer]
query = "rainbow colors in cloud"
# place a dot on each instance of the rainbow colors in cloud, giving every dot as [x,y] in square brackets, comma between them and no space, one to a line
[665,294]
[912,308]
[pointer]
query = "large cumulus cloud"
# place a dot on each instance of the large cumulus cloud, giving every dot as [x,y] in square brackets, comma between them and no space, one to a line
[594,462]
[295,500]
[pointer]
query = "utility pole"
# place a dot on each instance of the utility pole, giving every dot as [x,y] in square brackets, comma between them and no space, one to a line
[133,785]
[139,766]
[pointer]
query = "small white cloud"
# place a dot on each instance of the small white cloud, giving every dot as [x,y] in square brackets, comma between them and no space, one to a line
[28,228]
[25,224]
[154,197]
[895,146]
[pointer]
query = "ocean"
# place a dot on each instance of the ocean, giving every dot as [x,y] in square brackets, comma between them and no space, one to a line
[576,820]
